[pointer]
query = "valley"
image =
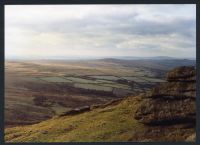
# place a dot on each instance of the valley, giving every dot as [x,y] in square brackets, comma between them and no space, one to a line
[166,113]
[37,90]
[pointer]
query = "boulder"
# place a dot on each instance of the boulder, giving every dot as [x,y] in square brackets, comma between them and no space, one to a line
[76,111]
[184,73]
[112,102]
[172,102]
[191,138]
[174,90]
[164,112]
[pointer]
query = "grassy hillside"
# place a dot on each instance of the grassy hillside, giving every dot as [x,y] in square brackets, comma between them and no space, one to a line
[168,113]
[115,122]
[112,123]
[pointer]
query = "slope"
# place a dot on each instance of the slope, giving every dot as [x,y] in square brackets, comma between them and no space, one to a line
[112,123]
[135,118]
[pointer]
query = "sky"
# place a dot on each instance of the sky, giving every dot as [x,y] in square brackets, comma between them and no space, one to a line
[47,31]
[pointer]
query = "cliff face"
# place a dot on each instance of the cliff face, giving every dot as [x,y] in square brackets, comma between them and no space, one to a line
[171,103]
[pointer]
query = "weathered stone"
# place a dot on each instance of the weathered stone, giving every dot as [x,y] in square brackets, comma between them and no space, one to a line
[159,111]
[174,90]
[112,102]
[76,111]
[172,102]
[191,138]
[184,73]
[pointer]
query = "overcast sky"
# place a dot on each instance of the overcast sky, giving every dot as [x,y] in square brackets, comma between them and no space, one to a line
[100,30]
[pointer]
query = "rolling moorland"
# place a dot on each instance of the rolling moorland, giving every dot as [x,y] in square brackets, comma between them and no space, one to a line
[93,100]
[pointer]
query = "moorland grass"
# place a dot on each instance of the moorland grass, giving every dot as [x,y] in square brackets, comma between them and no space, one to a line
[112,123]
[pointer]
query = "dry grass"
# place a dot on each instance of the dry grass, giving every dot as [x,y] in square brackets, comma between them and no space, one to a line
[112,123]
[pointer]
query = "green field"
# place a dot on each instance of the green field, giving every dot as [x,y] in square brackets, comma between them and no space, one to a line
[105,81]
[112,78]
[93,87]
[153,80]
[101,83]
[135,79]
[55,79]
[81,80]
[121,86]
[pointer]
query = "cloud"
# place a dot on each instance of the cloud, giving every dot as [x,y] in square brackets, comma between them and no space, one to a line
[100,30]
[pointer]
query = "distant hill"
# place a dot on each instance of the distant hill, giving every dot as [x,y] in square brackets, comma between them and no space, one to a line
[141,58]
[94,58]
[156,63]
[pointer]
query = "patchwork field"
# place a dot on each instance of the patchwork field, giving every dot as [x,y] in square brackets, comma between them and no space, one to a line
[40,89]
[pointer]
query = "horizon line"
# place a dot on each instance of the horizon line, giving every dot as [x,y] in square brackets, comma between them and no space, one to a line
[95,57]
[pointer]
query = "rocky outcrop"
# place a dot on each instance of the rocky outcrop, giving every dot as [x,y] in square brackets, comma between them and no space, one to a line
[191,138]
[112,102]
[184,73]
[89,108]
[172,102]
[76,111]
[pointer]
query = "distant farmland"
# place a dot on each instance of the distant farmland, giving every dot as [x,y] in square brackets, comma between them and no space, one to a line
[49,88]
